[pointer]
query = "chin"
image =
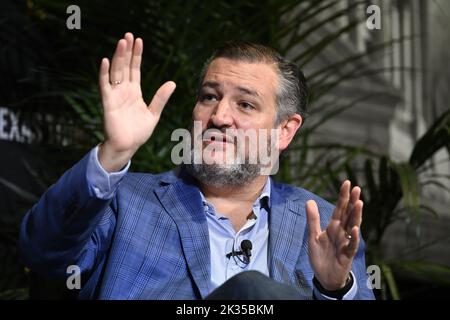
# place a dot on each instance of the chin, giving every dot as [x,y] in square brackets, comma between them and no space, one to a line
[219,157]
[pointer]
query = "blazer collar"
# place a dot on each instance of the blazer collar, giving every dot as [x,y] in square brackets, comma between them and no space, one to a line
[181,199]
[287,222]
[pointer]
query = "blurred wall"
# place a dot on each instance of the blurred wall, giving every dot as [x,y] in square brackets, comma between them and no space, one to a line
[408,84]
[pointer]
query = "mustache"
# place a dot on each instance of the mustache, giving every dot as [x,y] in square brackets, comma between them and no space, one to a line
[219,134]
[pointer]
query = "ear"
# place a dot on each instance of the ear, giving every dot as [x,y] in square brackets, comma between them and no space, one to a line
[287,129]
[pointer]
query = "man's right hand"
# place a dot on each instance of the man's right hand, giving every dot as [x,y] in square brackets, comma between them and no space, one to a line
[128,121]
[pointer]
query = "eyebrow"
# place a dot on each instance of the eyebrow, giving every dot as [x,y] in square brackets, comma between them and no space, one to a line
[215,85]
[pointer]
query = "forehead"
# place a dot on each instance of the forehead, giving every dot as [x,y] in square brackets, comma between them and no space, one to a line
[259,76]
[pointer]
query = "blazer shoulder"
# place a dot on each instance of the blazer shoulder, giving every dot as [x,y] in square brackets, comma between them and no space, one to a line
[138,180]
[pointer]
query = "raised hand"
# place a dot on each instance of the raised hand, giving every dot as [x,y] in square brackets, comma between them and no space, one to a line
[128,121]
[332,250]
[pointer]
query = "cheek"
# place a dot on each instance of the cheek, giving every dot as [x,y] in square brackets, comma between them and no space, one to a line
[200,117]
[201,114]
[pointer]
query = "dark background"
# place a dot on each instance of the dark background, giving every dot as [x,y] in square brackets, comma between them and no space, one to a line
[51,112]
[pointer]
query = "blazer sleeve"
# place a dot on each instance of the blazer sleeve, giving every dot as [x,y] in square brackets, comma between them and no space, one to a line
[69,225]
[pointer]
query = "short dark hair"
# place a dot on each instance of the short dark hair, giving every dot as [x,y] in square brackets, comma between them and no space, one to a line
[292,92]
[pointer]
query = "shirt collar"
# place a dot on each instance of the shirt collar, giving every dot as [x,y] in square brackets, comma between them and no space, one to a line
[264,198]
[262,201]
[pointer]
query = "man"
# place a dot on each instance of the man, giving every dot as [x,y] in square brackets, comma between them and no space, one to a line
[191,233]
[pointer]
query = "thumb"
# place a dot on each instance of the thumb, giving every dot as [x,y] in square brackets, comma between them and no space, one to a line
[161,97]
[313,217]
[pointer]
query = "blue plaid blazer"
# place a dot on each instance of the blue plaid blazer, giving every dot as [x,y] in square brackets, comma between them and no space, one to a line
[151,240]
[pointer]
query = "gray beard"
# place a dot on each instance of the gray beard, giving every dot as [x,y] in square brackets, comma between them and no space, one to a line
[219,175]
[224,175]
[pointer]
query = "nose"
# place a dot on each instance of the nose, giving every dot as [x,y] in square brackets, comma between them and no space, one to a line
[222,115]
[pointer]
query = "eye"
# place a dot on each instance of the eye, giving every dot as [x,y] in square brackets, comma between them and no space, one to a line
[246,105]
[207,97]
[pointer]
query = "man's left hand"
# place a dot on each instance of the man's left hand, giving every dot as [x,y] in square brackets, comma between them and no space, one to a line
[332,250]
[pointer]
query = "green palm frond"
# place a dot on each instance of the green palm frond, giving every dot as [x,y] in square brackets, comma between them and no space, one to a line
[436,138]
[60,76]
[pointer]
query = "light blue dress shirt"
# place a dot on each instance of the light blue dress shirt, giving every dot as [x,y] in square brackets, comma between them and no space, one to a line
[222,235]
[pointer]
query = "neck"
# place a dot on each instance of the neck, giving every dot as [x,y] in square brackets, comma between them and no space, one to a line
[248,192]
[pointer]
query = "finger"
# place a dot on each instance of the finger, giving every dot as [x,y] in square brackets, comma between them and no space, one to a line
[128,53]
[355,194]
[136,59]
[353,244]
[313,217]
[161,97]
[344,195]
[336,234]
[356,216]
[354,197]
[118,62]
[103,77]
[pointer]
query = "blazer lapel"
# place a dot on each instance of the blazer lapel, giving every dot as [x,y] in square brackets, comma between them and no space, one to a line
[287,223]
[183,203]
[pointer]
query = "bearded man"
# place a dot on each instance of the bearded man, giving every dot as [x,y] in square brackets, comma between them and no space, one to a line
[216,227]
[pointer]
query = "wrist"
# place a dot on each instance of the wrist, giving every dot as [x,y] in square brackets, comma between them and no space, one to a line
[111,160]
[334,284]
[335,292]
